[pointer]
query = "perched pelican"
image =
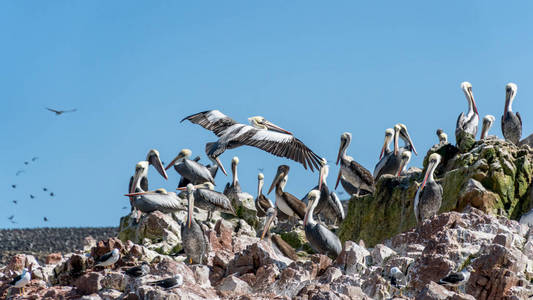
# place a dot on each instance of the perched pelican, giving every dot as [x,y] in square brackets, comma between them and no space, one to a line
[22,280]
[488,120]
[192,235]
[443,137]
[469,122]
[322,240]
[262,203]
[210,200]
[193,171]
[160,199]
[404,135]
[351,171]
[286,202]
[329,204]
[281,245]
[152,158]
[235,187]
[428,197]
[405,158]
[511,122]
[389,163]
[389,135]
[169,283]
[184,181]
[261,134]
[107,259]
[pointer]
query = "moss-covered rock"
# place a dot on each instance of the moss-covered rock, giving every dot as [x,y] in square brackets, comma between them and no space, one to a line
[492,175]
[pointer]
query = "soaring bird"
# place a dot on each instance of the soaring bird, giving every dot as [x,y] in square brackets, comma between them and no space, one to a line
[443,137]
[467,123]
[169,283]
[192,234]
[279,243]
[488,120]
[194,172]
[160,199]
[286,202]
[352,172]
[21,280]
[511,122]
[231,190]
[262,203]
[107,259]
[208,199]
[321,239]
[19,172]
[428,197]
[138,271]
[60,112]
[260,133]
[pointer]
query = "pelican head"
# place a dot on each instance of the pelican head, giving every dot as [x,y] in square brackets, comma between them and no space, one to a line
[467,89]
[205,185]
[443,137]
[141,170]
[324,171]
[510,93]
[433,161]
[271,214]
[281,175]
[262,123]
[405,157]
[160,191]
[260,176]
[184,153]
[154,159]
[404,135]
[312,200]
[488,120]
[389,135]
[345,142]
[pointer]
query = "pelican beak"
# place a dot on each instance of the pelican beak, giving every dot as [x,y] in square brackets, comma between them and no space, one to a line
[340,151]
[402,165]
[136,179]
[410,141]
[396,143]
[278,177]
[383,148]
[275,127]
[430,166]
[158,165]
[136,194]
[174,161]
[338,179]
[217,160]
[190,209]
[320,179]
[473,101]
[181,188]
[267,226]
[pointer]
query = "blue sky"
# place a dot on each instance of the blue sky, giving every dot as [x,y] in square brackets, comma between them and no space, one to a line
[134,69]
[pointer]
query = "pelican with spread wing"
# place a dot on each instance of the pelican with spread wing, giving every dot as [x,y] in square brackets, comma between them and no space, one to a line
[260,133]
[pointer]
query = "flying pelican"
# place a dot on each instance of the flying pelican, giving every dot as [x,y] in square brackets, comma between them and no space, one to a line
[405,158]
[428,197]
[22,280]
[195,172]
[488,120]
[231,190]
[511,122]
[286,202]
[60,112]
[443,137]
[260,133]
[390,162]
[351,171]
[322,240]
[208,199]
[160,199]
[262,203]
[279,243]
[192,235]
[468,123]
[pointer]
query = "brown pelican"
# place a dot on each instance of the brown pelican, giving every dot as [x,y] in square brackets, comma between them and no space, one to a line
[428,197]
[351,171]
[321,239]
[152,158]
[488,120]
[511,122]
[405,158]
[192,235]
[184,181]
[286,202]
[404,135]
[468,123]
[60,112]
[210,200]
[261,134]
[193,171]
[160,199]
[279,243]
[235,187]
[389,135]
[443,137]
[262,203]
[389,163]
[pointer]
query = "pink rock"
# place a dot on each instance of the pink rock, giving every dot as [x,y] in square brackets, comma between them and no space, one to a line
[89,283]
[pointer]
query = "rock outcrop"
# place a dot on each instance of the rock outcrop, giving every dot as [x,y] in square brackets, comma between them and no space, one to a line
[493,175]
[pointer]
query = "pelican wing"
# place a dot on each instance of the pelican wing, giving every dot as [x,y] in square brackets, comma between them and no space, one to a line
[212,120]
[295,204]
[194,172]
[361,172]
[216,198]
[164,203]
[53,110]
[337,206]
[281,144]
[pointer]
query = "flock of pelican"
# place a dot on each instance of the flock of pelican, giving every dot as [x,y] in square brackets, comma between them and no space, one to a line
[198,181]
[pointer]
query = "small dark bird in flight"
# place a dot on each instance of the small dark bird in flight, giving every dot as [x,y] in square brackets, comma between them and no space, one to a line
[11,217]
[60,112]
[26,162]
[14,186]
[32,196]
[52,194]
[15,201]
[13,222]
[19,172]
[34,158]
[124,207]
[45,189]
[45,219]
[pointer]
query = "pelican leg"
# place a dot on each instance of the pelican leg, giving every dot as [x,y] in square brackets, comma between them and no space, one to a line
[190,260]
[209,215]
